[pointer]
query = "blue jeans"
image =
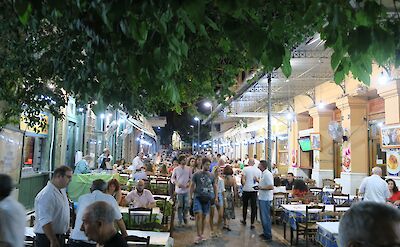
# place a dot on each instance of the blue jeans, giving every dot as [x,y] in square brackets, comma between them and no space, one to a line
[265,213]
[183,206]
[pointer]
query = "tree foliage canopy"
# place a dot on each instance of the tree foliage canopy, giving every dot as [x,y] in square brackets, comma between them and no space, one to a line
[151,55]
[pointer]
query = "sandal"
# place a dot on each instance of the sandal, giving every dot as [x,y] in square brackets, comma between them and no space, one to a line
[197,240]
[227,228]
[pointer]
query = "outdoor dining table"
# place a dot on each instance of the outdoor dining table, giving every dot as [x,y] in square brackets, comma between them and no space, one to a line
[296,213]
[327,233]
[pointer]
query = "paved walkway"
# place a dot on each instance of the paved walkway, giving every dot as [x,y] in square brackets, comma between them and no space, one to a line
[239,236]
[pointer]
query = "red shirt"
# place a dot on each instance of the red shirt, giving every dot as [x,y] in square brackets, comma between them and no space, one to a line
[395,197]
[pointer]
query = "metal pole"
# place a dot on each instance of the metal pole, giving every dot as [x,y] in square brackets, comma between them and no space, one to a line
[269,124]
[198,135]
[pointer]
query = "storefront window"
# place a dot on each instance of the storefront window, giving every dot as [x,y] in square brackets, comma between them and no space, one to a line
[33,152]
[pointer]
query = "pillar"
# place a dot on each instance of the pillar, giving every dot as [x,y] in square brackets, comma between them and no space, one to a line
[322,159]
[301,122]
[354,122]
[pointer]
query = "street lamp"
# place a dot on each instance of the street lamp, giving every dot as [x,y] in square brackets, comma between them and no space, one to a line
[198,130]
[209,105]
[191,126]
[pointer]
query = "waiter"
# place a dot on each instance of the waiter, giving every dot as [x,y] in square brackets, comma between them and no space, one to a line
[52,210]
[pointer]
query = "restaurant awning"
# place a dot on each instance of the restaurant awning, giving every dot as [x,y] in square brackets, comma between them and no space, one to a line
[141,126]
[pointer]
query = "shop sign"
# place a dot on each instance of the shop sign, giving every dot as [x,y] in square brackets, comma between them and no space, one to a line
[36,129]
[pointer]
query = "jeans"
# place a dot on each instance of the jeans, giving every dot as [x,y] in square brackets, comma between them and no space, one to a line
[252,196]
[183,206]
[265,212]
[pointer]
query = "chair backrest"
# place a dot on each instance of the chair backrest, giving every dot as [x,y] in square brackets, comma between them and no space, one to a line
[326,182]
[330,216]
[143,241]
[139,217]
[163,207]
[279,199]
[341,208]
[339,198]
[313,211]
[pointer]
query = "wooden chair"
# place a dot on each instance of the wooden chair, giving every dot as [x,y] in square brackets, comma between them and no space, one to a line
[317,191]
[339,198]
[310,182]
[140,216]
[309,227]
[138,241]
[29,241]
[328,216]
[165,220]
[279,199]
[341,208]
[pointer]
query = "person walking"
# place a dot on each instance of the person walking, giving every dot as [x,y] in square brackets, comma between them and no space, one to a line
[230,195]
[203,184]
[181,177]
[105,160]
[12,215]
[250,176]
[52,210]
[265,197]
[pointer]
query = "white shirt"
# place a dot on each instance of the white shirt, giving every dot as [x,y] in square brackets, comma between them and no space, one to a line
[266,180]
[250,172]
[375,189]
[275,171]
[86,200]
[12,222]
[51,205]
[256,162]
[137,163]
[181,176]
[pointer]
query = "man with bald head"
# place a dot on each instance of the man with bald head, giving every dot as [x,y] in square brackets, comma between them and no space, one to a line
[98,225]
[374,188]
[140,197]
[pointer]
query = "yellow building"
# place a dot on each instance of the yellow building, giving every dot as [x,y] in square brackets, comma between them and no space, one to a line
[319,129]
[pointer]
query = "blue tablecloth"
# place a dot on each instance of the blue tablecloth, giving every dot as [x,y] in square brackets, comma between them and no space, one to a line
[325,238]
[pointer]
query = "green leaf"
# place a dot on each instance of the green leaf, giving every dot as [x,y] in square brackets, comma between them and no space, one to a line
[24,10]
[212,24]
[286,67]
[336,58]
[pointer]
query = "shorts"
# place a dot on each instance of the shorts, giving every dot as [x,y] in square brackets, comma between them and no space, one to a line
[220,200]
[199,207]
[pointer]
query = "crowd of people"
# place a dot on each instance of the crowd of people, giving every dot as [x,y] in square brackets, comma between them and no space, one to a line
[207,187]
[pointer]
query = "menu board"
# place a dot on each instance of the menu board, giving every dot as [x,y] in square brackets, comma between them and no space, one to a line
[11,144]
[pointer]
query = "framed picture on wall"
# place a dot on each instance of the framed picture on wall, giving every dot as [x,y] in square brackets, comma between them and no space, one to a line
[390,135]
[315,141]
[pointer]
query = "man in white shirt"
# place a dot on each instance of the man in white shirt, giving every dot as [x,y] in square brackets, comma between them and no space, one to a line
[78,237]
[256,161]
[137,162]
[265,197]
[52,210]
[374,188]
[181,177]
[250,176]
[12,215]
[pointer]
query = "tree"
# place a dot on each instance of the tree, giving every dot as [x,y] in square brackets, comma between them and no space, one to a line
[153,55]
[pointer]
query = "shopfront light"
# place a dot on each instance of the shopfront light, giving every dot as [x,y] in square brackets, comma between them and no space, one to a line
[321,105]
[383,78]
[102,116]
[289,116]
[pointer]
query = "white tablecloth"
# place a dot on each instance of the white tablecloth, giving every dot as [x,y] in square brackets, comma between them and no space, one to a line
[125,210]
[302,208]
[156,238]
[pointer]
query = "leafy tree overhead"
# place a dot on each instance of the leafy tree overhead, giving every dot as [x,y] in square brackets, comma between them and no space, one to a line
[151,55]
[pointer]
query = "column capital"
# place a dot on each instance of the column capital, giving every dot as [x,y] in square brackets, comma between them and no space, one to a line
[351,102]
[391,89]
[316,112]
